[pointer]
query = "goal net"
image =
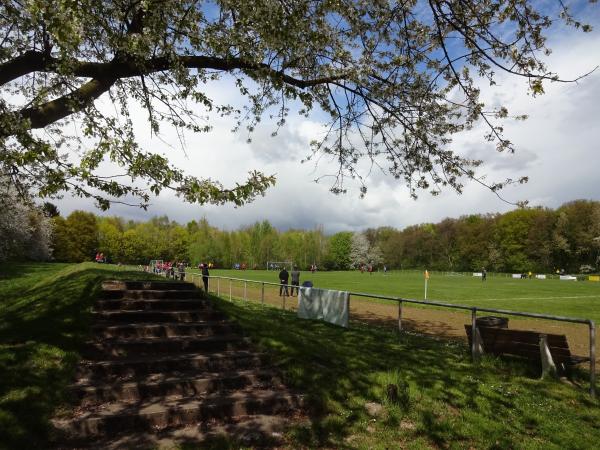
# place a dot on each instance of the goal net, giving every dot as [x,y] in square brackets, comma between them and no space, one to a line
[278,265]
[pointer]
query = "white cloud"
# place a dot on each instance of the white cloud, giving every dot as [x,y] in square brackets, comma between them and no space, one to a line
[558,149]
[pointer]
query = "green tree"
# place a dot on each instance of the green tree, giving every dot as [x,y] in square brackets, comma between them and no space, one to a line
[511,234]
[135,246]
[205,245]
[393,78]
[575,233]
[110,239]
[339,251]
[76,237]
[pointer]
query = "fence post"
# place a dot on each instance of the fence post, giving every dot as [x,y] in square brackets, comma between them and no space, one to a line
[230,290]
[592,359]
[474,352]
[284,300]
[218,286]
[262,294]
[245,290]
[400,316]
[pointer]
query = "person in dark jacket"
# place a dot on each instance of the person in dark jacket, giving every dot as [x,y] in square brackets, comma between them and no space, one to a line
[205,275]
[295,280]
[284,277]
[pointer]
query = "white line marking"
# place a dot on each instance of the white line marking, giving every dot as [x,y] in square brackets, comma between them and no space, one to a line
[540,298]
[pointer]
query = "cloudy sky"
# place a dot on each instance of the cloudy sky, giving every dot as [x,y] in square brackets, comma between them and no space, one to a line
[557,148]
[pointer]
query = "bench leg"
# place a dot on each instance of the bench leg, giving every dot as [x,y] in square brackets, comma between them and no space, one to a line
[477,345]
[548,366]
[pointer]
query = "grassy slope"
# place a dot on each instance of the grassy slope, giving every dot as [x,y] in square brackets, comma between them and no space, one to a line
[542,296]
[44,319]
[449,402]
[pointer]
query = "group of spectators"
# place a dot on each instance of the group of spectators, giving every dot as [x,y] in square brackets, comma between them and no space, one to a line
[171,269]
[284,278]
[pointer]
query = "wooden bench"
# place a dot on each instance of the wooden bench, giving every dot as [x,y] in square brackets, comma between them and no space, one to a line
[551,350]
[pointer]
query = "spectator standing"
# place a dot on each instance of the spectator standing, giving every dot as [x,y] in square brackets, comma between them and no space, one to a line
[295,281]
[205,275]
[483,274]
[284,277]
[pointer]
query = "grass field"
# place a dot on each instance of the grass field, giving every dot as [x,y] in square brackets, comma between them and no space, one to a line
[444,400]
[566,298]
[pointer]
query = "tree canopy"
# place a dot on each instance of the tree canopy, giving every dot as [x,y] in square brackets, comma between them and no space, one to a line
[536,239]
[396,79]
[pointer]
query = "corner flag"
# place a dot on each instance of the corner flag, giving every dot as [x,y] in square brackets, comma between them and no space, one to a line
[426,278]
[427,275]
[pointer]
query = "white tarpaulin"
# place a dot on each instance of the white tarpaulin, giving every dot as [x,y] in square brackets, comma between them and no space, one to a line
[568,278]
[324,304]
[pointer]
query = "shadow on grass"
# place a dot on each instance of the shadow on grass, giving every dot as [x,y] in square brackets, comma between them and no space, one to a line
[450,401]
[44,321]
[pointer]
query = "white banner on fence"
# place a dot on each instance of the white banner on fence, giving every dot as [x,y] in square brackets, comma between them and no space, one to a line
[477,274]
[568,278]
[324,304]
[540,276]
[516,275]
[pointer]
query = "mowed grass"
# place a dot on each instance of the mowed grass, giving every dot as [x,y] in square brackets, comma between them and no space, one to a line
[44,321]
[564,298]
[444,400]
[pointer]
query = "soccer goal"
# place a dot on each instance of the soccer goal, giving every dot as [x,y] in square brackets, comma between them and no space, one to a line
[278,265]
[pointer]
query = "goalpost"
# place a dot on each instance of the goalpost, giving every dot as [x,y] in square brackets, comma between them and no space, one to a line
[277,265]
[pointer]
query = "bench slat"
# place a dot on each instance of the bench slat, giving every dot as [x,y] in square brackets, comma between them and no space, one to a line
[531,337]
[526,344]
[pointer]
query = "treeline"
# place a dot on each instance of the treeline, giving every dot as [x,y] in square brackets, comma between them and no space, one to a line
[82,234]
[536,239]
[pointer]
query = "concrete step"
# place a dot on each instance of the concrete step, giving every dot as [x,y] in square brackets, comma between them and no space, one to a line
[153,285]
[156,414]
[157,385]
[141,330]
[148,346]
[150,294]
[132,368]
[197,315]
[171,304]
[256,431]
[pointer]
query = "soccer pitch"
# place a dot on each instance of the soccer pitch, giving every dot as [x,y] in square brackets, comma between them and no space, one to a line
[564,298]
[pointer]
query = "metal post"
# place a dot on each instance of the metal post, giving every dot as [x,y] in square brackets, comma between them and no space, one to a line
[474,354]
[229,289]
[347,306]
[400,315]
[218,286]
[592,359]
[284,300]
[245,290]
[262,294]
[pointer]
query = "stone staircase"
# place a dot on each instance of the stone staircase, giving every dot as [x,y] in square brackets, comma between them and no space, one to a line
[165,368]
